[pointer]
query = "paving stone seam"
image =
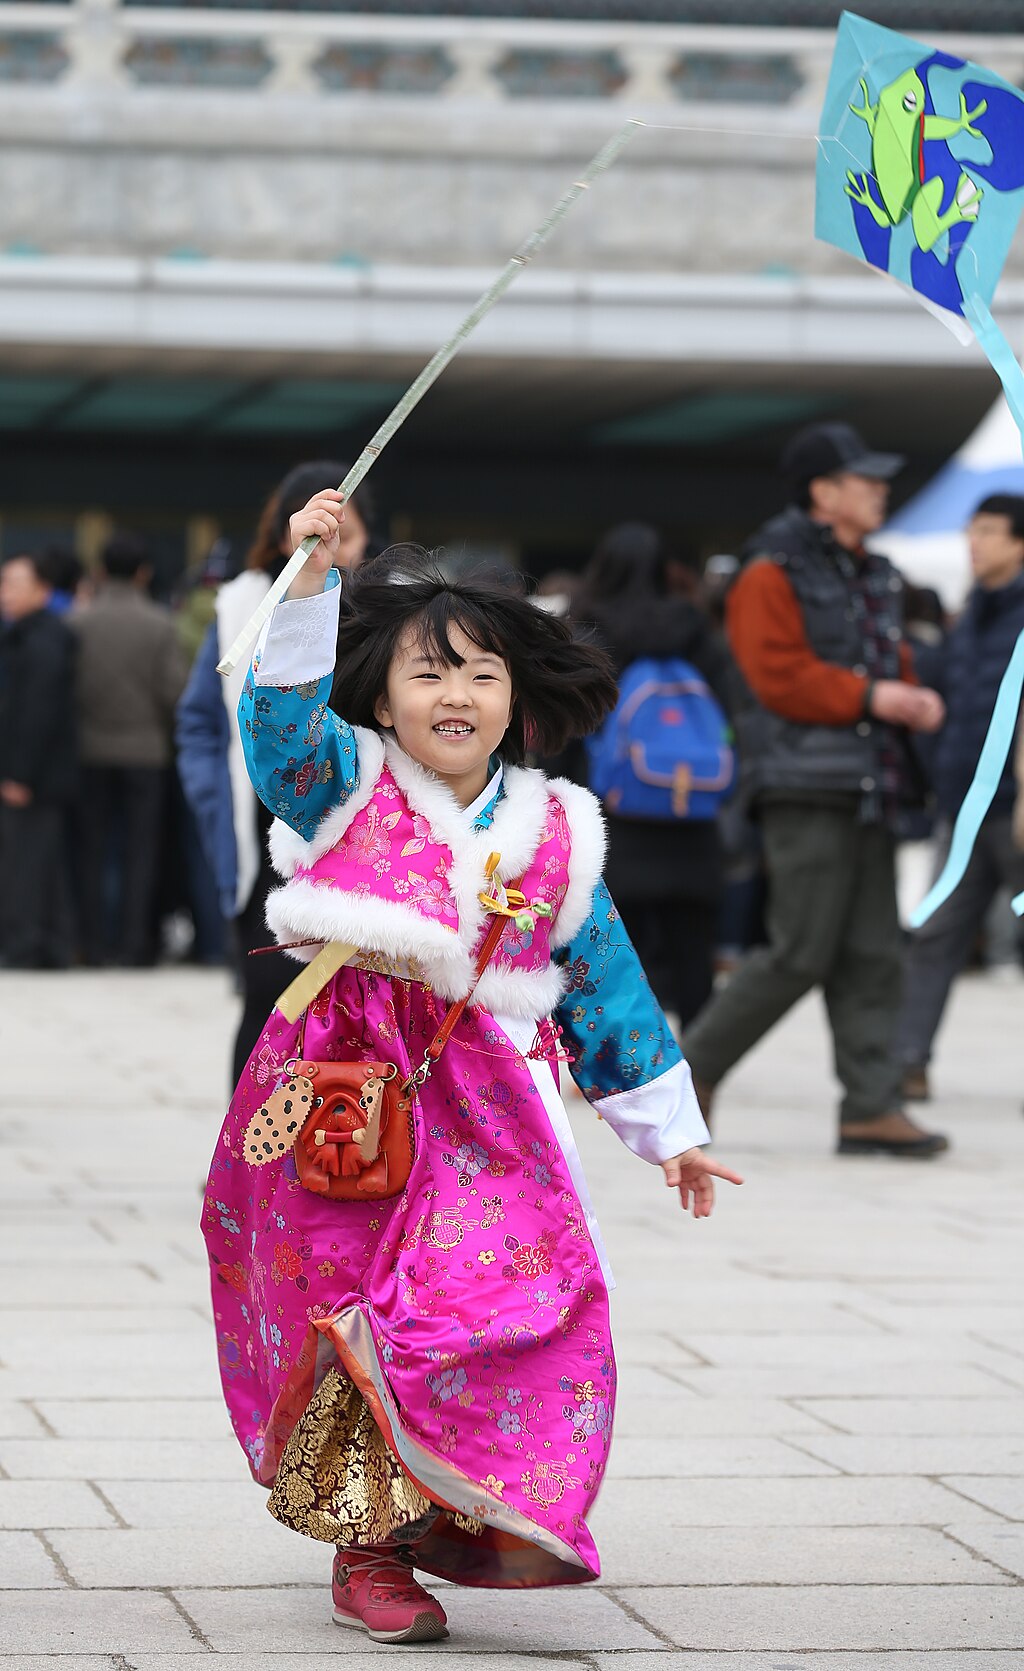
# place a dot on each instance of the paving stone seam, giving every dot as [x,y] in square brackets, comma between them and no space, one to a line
[996,1346]
[850,1310]
[796,1404]
[781,1658]
[674,1380]
[49,1431]
[118,1398]
[699,1357]
[793,1443]
[989,1560]
[58,1562]
[803,1584]
[975,1502]
[194,1630]
[121,1524]
[126,1586]
[1000,1380]
[637,1618]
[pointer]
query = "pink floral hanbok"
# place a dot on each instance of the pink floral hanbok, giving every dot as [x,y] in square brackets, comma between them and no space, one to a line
[436,1367]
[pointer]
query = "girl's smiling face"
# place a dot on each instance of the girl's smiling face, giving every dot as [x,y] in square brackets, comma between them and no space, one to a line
[449,719]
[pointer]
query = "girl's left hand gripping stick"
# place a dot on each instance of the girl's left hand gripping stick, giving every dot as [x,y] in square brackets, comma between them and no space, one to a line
[604,158]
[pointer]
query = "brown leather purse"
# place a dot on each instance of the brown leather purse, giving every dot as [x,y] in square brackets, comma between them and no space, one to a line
[358,1134]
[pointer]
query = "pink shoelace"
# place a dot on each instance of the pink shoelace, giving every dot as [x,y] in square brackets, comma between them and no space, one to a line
[379,1569]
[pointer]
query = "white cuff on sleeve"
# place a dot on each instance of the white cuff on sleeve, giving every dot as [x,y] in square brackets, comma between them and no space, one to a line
[659,1119]
[300,641]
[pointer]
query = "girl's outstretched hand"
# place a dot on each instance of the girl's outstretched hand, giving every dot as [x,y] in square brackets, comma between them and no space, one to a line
[693,1174]
[322,517]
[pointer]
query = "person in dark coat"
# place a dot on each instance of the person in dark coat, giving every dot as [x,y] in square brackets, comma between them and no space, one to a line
[130,674]
[665,878]
[967,671]
[37,770]
[829,694]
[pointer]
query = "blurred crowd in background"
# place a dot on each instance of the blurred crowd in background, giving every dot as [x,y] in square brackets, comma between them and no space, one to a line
[129,833]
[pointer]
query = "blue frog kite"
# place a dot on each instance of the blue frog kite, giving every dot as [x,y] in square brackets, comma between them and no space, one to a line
[915,175]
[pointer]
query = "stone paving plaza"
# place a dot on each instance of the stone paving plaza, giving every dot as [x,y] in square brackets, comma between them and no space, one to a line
[820,1439]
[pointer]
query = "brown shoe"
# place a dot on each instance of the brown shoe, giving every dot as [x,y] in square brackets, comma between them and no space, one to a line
[889,1134]
[915,1084]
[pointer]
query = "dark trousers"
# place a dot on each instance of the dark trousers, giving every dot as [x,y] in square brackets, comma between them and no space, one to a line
[36,911]
[263,976]
[938,951]
[120,826]
[675,941]
[831,923]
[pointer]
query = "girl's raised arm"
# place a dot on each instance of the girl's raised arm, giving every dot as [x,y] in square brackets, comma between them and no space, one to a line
[301,758]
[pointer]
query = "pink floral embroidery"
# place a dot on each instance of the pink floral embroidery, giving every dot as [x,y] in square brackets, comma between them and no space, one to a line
[368,842]
[428,894]
[287,1264]
[532,1261]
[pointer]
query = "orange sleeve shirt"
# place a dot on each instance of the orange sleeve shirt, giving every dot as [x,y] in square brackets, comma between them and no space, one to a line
[766,631]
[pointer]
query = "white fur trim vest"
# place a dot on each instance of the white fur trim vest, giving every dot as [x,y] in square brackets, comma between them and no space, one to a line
[397,871]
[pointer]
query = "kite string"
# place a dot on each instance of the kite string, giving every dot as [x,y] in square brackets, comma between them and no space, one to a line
[741,133]
[602,160]
[819,139]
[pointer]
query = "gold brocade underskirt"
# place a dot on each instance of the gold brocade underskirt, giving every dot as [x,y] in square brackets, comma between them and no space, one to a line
[338,1480]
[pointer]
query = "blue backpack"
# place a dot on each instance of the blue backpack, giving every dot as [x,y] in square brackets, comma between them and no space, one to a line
[664,751]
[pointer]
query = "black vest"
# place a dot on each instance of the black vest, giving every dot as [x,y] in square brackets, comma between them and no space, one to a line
[776,753]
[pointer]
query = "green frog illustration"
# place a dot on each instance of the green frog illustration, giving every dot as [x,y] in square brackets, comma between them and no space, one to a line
[899,126]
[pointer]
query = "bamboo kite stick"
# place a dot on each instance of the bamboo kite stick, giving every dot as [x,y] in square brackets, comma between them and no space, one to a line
[368,457]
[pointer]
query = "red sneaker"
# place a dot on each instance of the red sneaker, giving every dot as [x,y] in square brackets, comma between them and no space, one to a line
[374,1589]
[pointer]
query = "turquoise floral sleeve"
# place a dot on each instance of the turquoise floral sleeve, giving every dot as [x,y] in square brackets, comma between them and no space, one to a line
[301,757]
[612,1025]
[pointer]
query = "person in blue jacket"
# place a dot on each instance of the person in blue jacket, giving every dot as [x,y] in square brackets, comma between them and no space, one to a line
[232,822]
[967,675]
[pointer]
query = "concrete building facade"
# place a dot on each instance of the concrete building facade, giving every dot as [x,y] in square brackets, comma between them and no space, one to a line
[230,236]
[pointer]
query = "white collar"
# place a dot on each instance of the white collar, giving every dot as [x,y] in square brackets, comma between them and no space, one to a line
[486,796]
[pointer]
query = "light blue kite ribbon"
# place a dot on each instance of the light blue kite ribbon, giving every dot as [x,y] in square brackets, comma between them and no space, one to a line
[1003,724]
[999,354]
[1001,732]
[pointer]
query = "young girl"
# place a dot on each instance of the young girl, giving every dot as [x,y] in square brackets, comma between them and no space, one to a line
[426,1378]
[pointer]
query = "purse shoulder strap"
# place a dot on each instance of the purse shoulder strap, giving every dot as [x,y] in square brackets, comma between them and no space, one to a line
[296,999]
[452,1019]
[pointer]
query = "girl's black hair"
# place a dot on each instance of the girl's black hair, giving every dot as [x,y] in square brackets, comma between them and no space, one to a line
[562,688]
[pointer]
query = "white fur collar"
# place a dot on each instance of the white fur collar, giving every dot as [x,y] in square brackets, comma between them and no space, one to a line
[301,910]
[589,839]
[515,832]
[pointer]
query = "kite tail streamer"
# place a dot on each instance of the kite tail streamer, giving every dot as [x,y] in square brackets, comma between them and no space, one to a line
[430,373]
[1001,732]
[999,354]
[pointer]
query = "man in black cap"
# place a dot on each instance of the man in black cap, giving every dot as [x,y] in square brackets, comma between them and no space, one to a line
[815,625]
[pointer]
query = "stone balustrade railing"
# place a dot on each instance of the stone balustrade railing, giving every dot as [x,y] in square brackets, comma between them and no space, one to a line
[507,61]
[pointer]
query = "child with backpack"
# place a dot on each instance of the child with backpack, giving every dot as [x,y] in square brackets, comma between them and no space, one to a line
[662,763]
[410,1288]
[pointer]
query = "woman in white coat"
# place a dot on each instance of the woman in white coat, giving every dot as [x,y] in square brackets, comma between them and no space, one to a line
[232,822]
